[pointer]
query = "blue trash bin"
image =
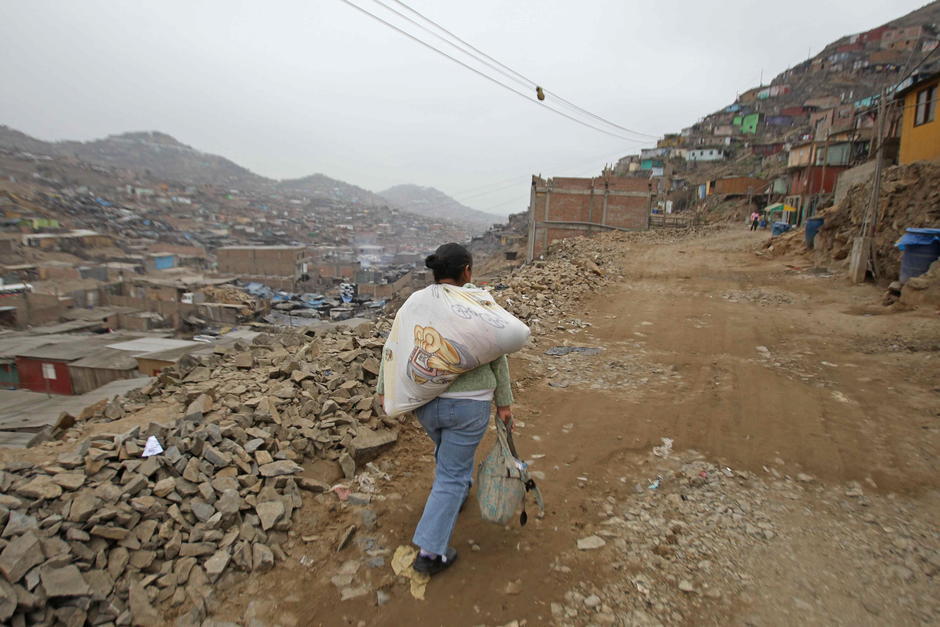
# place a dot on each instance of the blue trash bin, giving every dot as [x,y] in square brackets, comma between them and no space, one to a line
[921,248]
[812,228]
[779,228]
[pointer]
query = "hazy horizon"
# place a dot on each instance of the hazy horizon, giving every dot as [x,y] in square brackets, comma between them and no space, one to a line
[302,88]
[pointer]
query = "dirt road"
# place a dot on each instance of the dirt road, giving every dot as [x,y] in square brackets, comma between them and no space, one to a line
[802,486]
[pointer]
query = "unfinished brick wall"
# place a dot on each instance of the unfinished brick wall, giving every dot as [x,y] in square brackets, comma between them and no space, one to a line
[565,207]
[282,261]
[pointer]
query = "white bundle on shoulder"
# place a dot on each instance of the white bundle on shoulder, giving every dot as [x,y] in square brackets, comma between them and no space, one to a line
[439,333]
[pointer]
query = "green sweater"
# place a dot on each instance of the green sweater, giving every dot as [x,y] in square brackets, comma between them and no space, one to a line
[486,377]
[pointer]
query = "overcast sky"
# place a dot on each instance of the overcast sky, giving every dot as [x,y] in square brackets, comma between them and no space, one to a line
[292,87]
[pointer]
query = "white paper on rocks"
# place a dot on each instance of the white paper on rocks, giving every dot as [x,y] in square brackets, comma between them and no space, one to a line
[152,447]
[439,333]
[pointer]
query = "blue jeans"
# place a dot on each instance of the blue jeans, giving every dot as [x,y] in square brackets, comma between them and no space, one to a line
[456,426]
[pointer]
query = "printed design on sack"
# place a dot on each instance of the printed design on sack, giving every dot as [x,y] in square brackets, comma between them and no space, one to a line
[467,313]
[436,359]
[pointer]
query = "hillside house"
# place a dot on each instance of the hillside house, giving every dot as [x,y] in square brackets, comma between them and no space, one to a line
[905,38]
[749,123]
[766,150]
[735,186]
[920,128]
[669,140]
[650,164]
[706,154]
[567,207]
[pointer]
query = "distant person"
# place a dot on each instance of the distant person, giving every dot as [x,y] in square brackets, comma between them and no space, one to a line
[755,219]
[456,421]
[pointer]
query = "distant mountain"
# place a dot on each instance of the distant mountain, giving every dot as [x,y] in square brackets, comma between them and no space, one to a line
[432,202]
[151,153]
[322,186]
[159,156]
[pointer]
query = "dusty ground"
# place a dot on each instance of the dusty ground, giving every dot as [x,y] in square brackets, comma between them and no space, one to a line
[802,487]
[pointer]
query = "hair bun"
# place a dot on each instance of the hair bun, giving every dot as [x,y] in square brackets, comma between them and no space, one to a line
[431,261]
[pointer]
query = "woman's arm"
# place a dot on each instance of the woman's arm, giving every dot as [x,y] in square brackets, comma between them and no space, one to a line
[503,394]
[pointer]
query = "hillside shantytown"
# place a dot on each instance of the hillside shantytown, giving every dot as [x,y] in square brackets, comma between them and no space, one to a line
[729,398]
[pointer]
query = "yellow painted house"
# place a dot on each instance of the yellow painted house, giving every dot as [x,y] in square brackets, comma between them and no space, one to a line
[920,122]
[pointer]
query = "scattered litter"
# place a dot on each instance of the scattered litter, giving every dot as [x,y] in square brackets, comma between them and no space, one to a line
[341,491]
[654,485]
[366,483]
[152,447]
[665,449]
[402,565]
[565,350]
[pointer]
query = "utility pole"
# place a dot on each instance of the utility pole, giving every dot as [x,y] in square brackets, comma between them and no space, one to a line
[822,183]
[862,251]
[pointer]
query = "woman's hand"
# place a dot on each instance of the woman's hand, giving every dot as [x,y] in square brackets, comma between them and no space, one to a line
[505,414]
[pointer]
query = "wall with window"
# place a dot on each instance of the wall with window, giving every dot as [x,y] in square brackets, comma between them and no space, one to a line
[920,129]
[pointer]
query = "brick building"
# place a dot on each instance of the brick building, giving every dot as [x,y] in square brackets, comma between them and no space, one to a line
[566,207]
[279,267]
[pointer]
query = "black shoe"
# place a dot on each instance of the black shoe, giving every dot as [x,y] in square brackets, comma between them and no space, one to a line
[434,565]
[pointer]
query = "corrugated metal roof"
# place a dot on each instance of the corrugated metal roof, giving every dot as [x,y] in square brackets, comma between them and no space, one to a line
[152,344]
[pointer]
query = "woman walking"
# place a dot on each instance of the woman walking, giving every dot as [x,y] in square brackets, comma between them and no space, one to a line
[455,422]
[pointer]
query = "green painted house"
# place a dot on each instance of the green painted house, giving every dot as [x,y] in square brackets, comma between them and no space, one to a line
[749,123]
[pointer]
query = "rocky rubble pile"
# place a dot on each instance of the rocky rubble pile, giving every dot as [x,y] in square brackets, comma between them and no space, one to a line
[694,540]
[103,535]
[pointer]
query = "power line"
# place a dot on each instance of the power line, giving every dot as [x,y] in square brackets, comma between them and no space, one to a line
[520,77]
[487,76]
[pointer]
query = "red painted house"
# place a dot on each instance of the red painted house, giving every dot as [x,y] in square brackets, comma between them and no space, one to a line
[815,179]
[53,368]
[46,370]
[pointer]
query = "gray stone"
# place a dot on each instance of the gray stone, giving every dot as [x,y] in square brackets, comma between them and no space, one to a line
[313,485]
[368,444]
[195,549]
[215,457]
[111,533]
[83,506]
[269,513]
[278,468]
[19,556]
[63,582]
[164,487]
[18,524]
[8,601]
[216,564]
[70,480]
[142,611]
[201,510]
[348,465]
[261,557]
[42,487]
[229,503]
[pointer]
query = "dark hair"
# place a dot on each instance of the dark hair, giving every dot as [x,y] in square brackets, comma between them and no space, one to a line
[449,261]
